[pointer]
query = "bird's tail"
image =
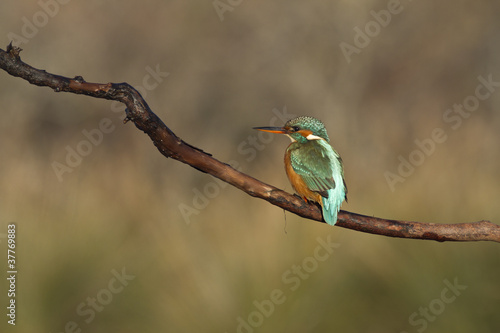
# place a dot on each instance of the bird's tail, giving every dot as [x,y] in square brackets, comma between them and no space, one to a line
[331,205]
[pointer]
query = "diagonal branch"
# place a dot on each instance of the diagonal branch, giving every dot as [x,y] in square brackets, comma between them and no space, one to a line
[172,146]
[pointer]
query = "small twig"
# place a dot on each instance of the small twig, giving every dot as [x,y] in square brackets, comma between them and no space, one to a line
[138,111]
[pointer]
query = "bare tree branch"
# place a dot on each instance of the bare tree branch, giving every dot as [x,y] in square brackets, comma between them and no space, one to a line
[171,146]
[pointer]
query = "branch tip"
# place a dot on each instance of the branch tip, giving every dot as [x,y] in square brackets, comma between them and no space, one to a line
[14,50]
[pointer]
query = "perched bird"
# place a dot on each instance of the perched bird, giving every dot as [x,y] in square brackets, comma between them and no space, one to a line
[313,167]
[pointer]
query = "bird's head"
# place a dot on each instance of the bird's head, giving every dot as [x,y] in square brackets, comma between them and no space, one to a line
[300,129]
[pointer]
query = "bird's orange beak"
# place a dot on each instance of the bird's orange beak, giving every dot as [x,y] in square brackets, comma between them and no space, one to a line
[280,130]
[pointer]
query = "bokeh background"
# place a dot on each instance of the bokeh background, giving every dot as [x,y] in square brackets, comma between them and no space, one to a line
[204,262]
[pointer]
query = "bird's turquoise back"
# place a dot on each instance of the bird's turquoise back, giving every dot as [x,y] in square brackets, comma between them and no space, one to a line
[320,167]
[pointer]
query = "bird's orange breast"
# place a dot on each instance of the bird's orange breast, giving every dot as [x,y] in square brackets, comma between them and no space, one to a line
[298,183]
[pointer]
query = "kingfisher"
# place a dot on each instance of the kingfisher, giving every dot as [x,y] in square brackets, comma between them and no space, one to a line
[313,167]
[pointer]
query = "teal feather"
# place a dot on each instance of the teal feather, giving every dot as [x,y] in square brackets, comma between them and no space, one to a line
[320,167]
[318,164]
[310,161]
[313,159]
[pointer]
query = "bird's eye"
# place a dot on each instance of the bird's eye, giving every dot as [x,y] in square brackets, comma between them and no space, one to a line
[295,128]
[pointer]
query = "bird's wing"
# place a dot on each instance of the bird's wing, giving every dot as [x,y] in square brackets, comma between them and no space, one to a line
[313,164]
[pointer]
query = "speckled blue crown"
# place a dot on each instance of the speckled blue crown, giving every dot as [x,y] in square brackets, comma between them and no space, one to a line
[309,123]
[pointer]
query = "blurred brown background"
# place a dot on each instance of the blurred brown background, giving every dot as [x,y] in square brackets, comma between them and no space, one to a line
[208,262]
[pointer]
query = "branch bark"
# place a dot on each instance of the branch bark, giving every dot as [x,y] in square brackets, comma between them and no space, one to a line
[138,111]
